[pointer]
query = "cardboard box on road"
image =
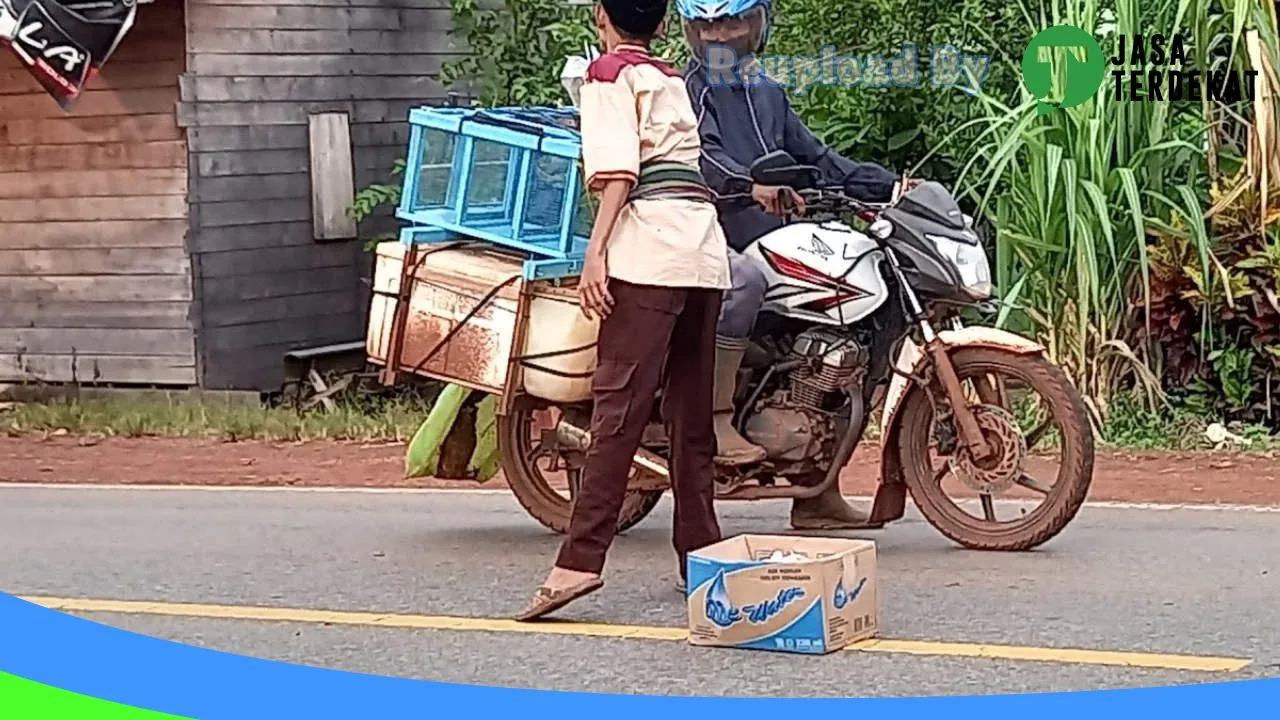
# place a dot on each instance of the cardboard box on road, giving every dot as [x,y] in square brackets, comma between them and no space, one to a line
[814,604]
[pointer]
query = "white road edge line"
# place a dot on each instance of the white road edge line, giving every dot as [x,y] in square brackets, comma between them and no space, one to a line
[1104,504]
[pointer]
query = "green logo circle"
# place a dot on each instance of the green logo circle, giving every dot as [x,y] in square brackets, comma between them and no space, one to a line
[1076,81]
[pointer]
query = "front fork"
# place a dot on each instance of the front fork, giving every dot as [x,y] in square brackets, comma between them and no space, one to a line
[970,434]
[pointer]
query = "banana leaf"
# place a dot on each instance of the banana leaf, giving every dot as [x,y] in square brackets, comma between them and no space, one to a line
[423,452]
[484,461]
[422,456]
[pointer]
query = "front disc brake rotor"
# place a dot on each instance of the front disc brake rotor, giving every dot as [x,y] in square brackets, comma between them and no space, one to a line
[999,471]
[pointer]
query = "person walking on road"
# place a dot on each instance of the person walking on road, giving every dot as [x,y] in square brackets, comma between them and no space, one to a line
[656,269]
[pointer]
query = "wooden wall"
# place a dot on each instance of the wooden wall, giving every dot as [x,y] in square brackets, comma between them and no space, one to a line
[257,69]
[95,284]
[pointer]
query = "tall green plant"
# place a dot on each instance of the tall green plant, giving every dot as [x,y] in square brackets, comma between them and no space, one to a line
[902,127]
[1076,193]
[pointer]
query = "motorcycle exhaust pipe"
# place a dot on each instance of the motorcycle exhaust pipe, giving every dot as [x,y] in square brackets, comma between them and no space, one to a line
[575,438]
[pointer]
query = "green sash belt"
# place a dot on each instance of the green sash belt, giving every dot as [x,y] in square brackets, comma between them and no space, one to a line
[670,179]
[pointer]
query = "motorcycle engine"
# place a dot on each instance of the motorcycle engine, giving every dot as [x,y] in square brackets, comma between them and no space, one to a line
[797,424]
[831,363]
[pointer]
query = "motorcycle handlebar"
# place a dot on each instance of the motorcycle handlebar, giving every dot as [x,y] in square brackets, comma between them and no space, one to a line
[828,199]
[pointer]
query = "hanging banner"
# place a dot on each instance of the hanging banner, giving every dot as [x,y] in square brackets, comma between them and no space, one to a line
[62,44]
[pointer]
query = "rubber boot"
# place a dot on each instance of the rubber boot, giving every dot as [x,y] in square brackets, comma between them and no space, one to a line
[827,511]
[731,448]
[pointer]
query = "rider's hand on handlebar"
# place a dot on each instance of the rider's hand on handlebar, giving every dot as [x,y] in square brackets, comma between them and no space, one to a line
[769,198]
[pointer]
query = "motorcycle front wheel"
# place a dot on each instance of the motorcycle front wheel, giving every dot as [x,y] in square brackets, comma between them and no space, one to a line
[1016,472]
[536,472]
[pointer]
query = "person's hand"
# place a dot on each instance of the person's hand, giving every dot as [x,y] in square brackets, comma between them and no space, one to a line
[593,287]
[768,198]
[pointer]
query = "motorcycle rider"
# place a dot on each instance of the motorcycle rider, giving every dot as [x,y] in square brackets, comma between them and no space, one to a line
[742,116]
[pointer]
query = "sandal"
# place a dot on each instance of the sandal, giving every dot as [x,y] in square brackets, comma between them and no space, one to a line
[546,600]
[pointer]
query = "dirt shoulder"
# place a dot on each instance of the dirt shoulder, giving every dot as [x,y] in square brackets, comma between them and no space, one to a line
[1156,477]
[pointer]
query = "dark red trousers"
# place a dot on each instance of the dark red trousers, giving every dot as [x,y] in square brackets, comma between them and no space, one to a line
[656,337]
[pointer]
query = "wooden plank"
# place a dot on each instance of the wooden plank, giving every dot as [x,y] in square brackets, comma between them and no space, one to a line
[333,185]
[77,130]
[266,137]
[255,187]
[85,288]
[93,103]
[261,370]
[101,156]
[104,234]
[161,39]
[268,17]
[380,134]
[93,183]
[271,162]
[315,88]
[95,341]
[316,327]
[249,213]
[277,283]
[280,308]
[379,160]
[302,42]
[117,75]
[291,113]
[154,207]
[149,71]
[266,162]
[382,64]
[295,258]
[95,261]
[59,314]
[276,234]
[176,370]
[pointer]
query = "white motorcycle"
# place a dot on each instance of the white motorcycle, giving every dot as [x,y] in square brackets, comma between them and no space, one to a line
[852,319]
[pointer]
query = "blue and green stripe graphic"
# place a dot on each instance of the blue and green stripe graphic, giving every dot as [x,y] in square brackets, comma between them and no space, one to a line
[55,666]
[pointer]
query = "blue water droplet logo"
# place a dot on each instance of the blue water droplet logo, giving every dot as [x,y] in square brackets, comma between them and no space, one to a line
[842,598]
[719,608]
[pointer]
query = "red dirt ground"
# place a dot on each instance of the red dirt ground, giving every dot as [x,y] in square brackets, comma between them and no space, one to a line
[1188,477]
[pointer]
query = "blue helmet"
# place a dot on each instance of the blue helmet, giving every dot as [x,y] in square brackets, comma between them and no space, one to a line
[716,9]
[699,15]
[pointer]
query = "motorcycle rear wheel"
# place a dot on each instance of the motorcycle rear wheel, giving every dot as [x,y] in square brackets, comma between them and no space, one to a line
[1062,500]
[519,452]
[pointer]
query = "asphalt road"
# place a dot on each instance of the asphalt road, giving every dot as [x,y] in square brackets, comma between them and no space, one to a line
[1199,582]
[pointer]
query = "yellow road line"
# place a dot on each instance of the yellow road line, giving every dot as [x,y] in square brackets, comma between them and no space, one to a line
[1162,661]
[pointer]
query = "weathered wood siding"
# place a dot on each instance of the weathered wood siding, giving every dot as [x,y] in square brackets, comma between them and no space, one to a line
[256,71]
[95,283]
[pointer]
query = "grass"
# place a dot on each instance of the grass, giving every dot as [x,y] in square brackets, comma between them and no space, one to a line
[393,419]
[1130,425]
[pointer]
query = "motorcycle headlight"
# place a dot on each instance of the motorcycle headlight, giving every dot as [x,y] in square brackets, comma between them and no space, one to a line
[971,262]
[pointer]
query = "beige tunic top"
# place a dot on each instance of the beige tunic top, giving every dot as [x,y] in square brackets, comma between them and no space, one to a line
[634,109]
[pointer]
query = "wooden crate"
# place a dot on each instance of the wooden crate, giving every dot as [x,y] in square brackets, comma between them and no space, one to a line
[446,288]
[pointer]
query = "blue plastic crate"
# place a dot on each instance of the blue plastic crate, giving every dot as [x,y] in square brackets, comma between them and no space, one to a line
[509,176]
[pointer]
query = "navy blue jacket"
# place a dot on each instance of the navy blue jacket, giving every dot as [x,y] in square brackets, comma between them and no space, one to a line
[739,123]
